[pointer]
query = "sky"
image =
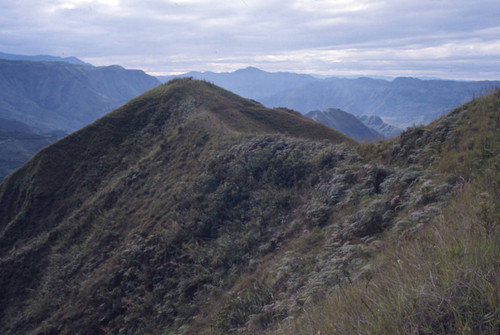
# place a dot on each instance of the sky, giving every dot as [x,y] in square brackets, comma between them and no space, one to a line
[453,39]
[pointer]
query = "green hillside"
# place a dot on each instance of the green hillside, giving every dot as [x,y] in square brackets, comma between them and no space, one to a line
[190,210]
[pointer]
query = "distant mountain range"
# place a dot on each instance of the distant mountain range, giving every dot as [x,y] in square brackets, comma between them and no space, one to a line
[346,123]
[53,96]
[49,96]
[43,98]
[402,102]
[251,82]
[42,58]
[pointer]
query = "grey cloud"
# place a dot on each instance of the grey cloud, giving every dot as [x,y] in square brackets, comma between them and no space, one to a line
[298,35]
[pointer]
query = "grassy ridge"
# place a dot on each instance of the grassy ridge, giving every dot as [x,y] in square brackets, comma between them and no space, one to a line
[443,279]
[186,212]
[145,216]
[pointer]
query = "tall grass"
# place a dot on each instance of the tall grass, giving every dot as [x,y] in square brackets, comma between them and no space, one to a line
[443,280]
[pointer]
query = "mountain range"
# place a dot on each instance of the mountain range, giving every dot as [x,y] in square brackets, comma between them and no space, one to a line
[191,210]
[402,102]
[42,58]
[51,96]
[250,82]
[42,98]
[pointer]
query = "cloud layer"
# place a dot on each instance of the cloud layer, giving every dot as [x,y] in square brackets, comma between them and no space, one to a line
[452,39]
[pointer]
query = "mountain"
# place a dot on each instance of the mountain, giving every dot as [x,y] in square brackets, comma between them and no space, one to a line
[51,96]
[376,123]
[402,102]
[251,82]
[18,143]
[440,276]
[14,126]
[346,123]
[18,147]
[42,58]
[190,210]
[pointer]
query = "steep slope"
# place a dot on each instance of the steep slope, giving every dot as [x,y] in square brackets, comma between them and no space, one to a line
[57,95]
[346,123]
[380,126]
[443,277]
[95,197]
[251,82]
[190,210]
[402,102]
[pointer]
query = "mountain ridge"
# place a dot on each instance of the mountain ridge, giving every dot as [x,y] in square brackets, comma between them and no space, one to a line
[251,82]
[403,102]
[187,211]
[43,58]
[57,95]
[400,102]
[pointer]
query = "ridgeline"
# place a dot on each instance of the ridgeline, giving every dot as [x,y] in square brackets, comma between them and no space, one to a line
[191,210]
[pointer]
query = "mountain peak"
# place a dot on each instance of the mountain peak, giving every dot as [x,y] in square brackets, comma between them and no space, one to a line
[253,69]
[345,123]
[185,99]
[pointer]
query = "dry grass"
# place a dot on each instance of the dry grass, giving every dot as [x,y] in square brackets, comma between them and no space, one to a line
[444,280]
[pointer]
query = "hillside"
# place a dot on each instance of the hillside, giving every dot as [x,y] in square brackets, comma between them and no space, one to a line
[346,123]
[440,277]
[190,210]
[403,102]
[51,96]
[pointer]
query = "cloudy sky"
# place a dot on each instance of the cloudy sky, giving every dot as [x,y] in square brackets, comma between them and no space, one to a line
[456,39]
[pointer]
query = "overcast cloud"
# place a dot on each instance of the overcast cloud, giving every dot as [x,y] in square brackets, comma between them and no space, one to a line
[456,39]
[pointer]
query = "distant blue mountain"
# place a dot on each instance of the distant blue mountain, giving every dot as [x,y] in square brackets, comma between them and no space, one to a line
[42,58]
[402,102]
[380,126]
[251,82]
[49,96]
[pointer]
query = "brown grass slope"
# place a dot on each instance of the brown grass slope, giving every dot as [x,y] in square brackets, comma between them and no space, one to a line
[193,211]
[73,163]
[444,277]
[67,214]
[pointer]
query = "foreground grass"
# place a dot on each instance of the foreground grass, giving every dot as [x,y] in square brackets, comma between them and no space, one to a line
[443,280]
